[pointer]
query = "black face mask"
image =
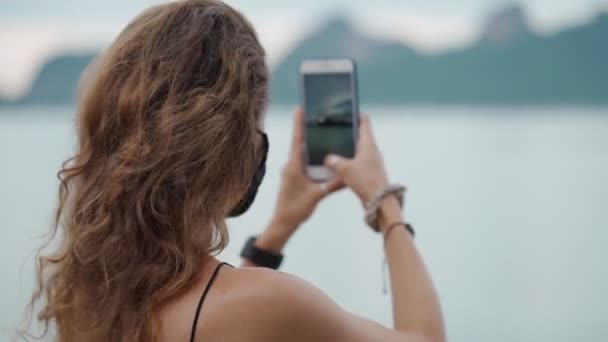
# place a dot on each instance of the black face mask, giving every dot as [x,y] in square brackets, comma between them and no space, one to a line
[247,201]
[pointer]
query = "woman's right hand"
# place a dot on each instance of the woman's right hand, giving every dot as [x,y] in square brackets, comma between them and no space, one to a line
[365,174]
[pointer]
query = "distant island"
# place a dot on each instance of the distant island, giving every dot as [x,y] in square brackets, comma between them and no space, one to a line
[57,81]
[509,64]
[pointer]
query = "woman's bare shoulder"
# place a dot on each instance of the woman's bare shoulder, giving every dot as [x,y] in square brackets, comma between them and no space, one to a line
[256,289]
[276,306]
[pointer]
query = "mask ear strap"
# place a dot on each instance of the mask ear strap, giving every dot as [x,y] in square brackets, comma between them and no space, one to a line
[265,146]
[258,176]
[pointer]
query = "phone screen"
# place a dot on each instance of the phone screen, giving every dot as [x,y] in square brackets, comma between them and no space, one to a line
[329,116]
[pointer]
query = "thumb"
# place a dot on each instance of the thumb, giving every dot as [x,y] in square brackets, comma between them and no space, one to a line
[336,164]
[366,136]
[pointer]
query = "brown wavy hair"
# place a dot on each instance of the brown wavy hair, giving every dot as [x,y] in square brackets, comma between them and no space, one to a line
[167,145]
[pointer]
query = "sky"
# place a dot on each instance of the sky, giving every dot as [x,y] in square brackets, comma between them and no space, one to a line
[33,30]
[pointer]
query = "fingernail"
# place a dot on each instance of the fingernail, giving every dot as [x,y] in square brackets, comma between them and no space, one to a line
[332,160]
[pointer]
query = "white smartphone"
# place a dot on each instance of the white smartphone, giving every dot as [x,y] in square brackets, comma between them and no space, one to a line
[331,103]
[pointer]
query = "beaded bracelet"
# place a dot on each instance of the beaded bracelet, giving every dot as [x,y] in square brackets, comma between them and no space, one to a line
[372,208]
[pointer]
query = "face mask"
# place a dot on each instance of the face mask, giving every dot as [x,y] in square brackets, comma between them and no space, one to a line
[247,201]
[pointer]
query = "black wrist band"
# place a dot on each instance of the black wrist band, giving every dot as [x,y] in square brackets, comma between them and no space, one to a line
[259,256]
[405,225]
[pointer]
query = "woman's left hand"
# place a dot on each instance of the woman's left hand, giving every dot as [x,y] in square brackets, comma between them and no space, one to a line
[298,195]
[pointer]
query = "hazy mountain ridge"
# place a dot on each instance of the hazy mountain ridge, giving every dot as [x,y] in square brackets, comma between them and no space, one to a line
[506,25]
[57,81]
[508,64]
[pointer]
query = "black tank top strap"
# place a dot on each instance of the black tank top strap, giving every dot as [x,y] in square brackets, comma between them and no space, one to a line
[200,302]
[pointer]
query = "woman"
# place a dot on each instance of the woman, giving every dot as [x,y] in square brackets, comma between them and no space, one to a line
[170,132]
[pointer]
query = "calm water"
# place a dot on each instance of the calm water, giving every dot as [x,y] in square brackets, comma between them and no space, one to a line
[511,209]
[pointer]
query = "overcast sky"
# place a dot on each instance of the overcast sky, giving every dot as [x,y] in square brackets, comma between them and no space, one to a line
[32,30]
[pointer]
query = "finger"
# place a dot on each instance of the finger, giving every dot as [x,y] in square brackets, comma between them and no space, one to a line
[297,143]
[336,164]
[334,185]
[366,136]
[323,189]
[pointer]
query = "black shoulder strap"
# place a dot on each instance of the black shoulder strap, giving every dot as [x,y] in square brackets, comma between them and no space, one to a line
[200,302]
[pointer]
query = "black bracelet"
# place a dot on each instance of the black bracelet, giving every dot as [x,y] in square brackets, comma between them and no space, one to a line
[259,256]
[405,225]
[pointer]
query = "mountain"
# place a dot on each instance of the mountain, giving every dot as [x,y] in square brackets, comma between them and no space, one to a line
[507,64]
[506,25]
[58,79]
[375,60]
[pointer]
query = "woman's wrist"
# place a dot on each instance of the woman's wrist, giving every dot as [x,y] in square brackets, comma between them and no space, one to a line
[389,213]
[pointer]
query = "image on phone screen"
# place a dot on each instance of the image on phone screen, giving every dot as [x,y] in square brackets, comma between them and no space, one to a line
[329,116]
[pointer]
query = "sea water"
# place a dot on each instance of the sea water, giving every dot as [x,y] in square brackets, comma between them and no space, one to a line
[510,206]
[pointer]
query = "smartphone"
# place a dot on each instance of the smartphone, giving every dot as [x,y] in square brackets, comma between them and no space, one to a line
[331,103]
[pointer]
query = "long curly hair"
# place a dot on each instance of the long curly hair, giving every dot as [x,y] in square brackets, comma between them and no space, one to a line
[167,145]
